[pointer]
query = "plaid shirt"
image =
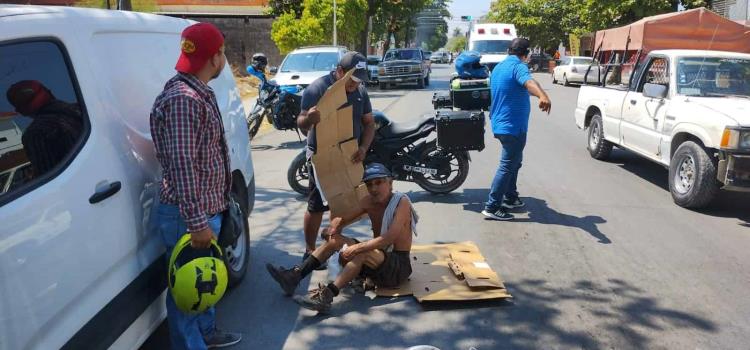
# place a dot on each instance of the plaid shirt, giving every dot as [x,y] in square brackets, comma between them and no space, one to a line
[188,134]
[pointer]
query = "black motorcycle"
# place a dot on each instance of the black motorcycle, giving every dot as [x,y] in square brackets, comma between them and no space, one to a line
[280,105]
[405,149]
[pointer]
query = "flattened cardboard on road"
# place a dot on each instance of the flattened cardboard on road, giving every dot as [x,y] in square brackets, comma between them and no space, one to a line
[337,177]
[449,272]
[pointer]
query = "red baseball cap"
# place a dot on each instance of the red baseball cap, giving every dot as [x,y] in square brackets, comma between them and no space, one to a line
[200,42]
[28,96]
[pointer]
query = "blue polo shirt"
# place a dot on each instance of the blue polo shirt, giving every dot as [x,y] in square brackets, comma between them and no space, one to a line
[510,108]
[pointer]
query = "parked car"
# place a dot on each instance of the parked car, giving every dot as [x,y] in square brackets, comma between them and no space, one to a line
[539,62]
[372,68]
[404,66]
[81,268]
[572,69]
[440,57]
[685,109]
[302,66]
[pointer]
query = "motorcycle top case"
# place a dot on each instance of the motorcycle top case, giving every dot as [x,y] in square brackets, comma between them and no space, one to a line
[460,130]
[471,94]
[441,99]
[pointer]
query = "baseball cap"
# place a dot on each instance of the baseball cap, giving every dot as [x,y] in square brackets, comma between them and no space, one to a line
[375,171]
[28,96]
[354,59]
[519,46]
[200,42]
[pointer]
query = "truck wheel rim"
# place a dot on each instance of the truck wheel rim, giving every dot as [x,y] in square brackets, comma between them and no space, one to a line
[594,136]
[235,253]
[684,177]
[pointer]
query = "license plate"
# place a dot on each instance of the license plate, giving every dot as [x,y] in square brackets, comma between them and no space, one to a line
[416,169]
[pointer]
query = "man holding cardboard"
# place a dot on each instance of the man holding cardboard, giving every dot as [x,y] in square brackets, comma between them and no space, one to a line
[384,259]
[363,130]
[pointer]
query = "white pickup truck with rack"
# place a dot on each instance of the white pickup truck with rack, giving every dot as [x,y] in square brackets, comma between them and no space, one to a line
[688,110]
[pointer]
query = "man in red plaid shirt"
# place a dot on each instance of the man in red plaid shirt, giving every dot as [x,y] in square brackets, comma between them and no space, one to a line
[188,134]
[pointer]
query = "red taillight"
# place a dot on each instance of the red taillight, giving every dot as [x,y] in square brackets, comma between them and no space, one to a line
[480,31]
[506,31]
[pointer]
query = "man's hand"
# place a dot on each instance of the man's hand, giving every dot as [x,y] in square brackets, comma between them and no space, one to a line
[350,252]
[313,115]
[359,156]
[201,239]
[545,104]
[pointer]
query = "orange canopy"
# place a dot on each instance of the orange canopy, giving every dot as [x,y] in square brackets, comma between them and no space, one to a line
[697,29]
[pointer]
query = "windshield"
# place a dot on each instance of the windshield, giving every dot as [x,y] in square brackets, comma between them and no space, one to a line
[373,60]
[713,76]
[402,55]
[491,46]
[310,62]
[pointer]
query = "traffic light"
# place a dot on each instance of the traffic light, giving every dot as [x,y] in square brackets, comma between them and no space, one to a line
[466,18]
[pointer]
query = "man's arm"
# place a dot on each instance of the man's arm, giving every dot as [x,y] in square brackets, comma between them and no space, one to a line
[182,125]
[401,219]
[368,134]
[535,89]
[308,118]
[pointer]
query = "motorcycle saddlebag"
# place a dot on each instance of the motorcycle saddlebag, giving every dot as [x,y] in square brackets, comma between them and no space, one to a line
[441,99]
[470,94]
[460,130]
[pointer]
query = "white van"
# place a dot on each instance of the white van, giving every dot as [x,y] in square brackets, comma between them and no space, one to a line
[79,268]
[492,40]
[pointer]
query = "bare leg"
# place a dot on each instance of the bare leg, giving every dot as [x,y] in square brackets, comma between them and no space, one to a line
[372,259]
[311,226]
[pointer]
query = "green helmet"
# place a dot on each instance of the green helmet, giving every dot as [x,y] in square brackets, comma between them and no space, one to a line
[197,281]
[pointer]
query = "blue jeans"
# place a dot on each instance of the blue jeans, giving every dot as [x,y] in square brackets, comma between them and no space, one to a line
[504,184]
[186,332]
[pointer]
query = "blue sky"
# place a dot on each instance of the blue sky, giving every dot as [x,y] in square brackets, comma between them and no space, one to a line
[460,8]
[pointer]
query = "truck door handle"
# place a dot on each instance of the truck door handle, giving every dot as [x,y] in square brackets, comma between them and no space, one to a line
[633,102]
[101,195]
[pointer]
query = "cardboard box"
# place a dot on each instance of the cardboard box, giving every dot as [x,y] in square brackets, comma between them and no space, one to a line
[449,272]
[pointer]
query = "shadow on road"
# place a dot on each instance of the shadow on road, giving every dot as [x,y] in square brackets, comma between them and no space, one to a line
[539,211]
[283,145]
[727,204]
[628,311]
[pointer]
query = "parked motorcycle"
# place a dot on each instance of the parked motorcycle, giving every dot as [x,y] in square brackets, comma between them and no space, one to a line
[405,149]
[279,105]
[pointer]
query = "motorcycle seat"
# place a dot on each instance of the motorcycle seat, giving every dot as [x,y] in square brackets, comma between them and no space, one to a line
[402,129]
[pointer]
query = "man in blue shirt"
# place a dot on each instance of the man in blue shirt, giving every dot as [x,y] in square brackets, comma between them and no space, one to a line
[511,83]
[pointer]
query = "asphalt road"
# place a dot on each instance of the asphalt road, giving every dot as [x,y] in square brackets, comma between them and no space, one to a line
[600,257]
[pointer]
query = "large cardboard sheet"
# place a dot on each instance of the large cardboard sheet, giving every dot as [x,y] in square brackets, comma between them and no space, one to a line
[449,272]
[337,177]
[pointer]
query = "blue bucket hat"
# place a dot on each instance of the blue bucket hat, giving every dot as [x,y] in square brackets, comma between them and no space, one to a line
[374,171]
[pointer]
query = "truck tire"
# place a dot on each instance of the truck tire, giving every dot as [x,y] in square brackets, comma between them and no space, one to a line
[427,80]
[692,176]
[237,254]
[420,83]
[383,86]
[598,147]
[565,80]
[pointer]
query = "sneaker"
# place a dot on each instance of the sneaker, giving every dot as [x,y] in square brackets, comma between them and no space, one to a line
[323,264]
[287,279]
[222,339]
[499,214]
[319,299]
[513,203]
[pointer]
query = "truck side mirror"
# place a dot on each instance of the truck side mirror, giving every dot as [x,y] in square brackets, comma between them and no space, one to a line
[273,70]
[655,90]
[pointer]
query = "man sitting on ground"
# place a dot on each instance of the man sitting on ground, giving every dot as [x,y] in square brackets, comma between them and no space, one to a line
[384,259]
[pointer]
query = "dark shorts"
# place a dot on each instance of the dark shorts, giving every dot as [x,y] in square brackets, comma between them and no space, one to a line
[394,270]
[314,201]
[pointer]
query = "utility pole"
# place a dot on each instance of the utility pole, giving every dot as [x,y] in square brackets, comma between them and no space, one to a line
[334,23]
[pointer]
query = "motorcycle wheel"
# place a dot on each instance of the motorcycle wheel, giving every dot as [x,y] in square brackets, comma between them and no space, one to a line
[253,124]
[297,175]
[453,168]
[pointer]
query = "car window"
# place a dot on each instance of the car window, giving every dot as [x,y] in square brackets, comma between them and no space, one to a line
[491,46]
[310,62]
[713,76]
[403,55]
[657,72]
[583,61]
[41,119]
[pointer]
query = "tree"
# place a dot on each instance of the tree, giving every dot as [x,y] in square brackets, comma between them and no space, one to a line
[456,44]
[315,25]
[280,7]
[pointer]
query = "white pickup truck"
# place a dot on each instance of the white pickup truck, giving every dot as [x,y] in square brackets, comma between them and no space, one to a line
[688,110]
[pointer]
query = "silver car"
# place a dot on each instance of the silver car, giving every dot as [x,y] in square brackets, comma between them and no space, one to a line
[302,66]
